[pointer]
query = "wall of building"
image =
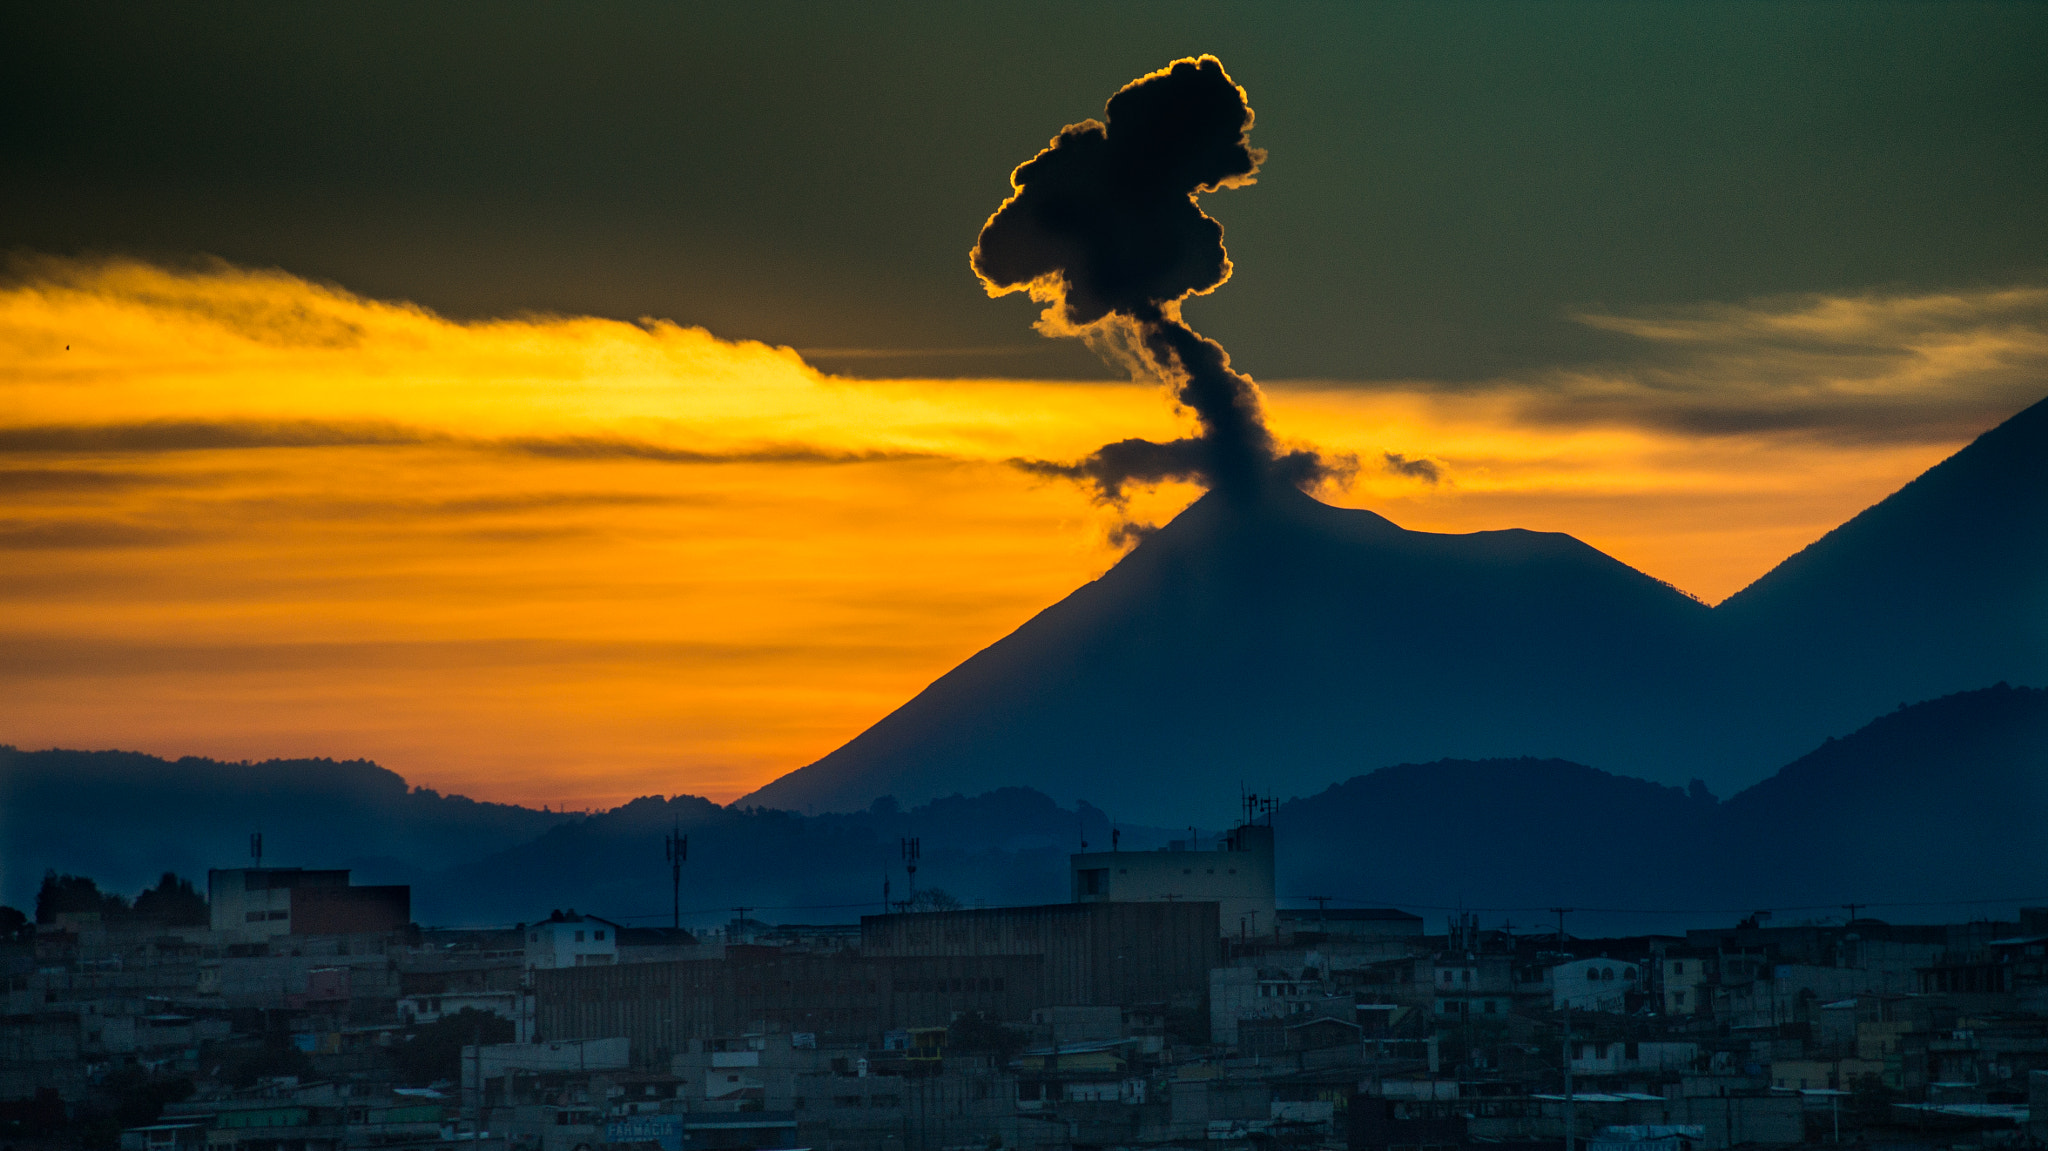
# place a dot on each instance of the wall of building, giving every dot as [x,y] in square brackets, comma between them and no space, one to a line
[1237,876]
[1096,954]
[842,997]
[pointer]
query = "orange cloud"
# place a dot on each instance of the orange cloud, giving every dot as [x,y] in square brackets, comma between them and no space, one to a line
[572,560]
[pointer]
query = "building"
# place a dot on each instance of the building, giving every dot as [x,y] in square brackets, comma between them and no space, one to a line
[258,904]
[1352,922]
[664,1008]
[566,939]
[1131,955]
[1595,984]
[1236,874]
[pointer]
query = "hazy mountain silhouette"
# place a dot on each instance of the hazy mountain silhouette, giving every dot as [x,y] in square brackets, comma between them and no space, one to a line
[1934,798]
[1006,846]
[1282,644]
[124,818]
[1938,801]
[1499,833]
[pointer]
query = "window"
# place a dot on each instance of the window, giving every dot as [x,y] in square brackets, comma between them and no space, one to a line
[599,936]
[1678,967]
[1592,974]
[1490,1007]
[533,937]
[253,917]
[1678,999]
[1464,977]
[579,937]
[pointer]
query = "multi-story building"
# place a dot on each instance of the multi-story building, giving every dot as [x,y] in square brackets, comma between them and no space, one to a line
[258,904]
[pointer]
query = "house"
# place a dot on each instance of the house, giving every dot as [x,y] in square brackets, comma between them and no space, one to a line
[566,939]
[1595,984]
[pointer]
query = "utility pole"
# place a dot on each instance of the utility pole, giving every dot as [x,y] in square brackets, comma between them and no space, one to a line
[256,848]
[1851,909]
[676,846]
[1570,1117]
[1561,913]
[739,920]
[1322,903]
[477,1124]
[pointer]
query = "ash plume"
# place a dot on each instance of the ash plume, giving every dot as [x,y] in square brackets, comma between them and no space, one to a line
[1102,226]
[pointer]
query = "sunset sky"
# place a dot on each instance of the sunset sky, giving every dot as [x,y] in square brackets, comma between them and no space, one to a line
[569,407]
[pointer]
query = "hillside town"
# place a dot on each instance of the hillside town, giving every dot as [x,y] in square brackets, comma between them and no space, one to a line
[1172,1002]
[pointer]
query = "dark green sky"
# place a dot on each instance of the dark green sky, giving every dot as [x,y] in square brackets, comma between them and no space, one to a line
[1447,183]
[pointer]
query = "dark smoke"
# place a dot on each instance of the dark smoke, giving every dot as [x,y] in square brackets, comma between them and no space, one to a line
[1102,227]
[1418,468]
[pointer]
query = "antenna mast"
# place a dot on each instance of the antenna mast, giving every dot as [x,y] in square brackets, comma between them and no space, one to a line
[911,852]
[676,847]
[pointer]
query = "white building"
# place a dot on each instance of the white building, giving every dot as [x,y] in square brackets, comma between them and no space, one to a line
[1594,984]
[566,939]
[1236,873]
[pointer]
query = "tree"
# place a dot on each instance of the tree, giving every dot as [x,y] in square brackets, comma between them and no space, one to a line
[934,899]
[13,924]
[173,902]
[61,894]
[434,1051]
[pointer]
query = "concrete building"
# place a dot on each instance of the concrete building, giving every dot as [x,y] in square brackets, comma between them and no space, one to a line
[258,904]
[1595,984]
[1235,873]
[1132,955]
[1352,922]
[566,939]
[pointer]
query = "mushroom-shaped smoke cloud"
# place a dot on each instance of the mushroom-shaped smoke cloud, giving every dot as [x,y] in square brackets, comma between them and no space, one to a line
[1102,226]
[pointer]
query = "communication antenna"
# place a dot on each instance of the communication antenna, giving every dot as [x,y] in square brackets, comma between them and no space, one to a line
[676,847]
[911,852]
[256,847]
[885,895]
[1114,836]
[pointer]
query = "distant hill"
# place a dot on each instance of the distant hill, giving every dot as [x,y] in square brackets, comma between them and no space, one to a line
[1934,798]
[1938,801]
[124,818]
[1006,846]
[1942,800]
[1281,644]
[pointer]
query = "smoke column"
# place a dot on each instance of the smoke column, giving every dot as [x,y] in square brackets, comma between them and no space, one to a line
[1103,228]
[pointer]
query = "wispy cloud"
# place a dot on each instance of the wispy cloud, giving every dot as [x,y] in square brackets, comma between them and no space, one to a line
[1846,368]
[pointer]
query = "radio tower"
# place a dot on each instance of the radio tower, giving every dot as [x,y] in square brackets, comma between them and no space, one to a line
[676,846]
[911,852]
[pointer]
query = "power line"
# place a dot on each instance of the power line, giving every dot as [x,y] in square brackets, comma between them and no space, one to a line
[1744,910]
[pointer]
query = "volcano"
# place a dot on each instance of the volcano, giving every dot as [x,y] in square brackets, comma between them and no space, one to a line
[1277,644]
